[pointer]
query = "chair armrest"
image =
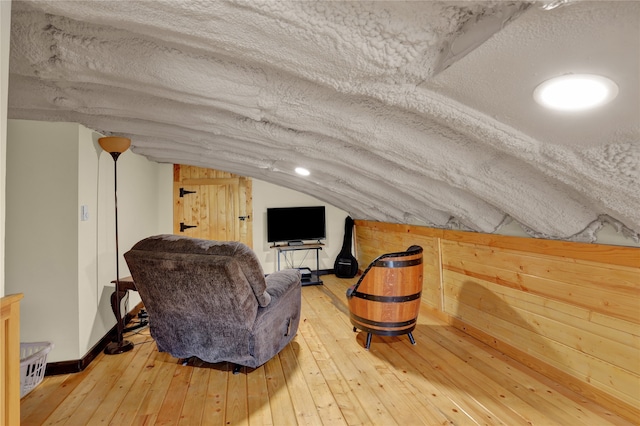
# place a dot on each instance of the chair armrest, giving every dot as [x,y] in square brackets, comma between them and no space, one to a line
[351,290]
[280,282]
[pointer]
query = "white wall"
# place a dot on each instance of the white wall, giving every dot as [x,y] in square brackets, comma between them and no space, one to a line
[41,251]
[268,195]
[89,283]
[63,265]
[5,31]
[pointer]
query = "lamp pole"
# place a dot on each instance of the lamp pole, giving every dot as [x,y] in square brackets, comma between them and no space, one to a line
[116,146]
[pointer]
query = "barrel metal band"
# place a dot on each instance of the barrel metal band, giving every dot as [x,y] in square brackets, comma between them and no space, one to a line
[397,263]
[386,299]
[361,320]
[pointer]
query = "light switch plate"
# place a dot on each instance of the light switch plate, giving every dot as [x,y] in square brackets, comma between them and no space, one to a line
[84,213]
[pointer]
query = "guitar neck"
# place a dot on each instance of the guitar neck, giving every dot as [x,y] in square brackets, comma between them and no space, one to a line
[348,235]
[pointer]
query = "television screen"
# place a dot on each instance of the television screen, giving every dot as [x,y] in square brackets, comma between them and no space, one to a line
[286,224]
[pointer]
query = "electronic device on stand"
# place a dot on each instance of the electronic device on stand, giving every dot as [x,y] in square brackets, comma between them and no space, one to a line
[291,230]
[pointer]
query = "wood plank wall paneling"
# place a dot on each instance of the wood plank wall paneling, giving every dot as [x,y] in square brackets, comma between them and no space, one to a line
[569,310]
[10,359]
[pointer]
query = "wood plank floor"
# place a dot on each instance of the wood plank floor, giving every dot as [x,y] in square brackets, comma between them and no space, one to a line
[324,377]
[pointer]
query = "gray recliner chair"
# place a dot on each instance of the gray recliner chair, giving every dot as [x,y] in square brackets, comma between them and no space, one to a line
[211,300]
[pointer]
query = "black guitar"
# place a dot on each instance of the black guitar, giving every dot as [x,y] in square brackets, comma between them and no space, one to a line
[346,266]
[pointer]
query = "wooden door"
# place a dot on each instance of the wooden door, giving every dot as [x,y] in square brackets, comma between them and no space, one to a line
[211,204]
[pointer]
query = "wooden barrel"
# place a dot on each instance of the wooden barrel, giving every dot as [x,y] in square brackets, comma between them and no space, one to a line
[386,299]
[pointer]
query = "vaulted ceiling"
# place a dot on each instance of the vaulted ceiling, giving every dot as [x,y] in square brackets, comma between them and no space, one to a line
[409,112]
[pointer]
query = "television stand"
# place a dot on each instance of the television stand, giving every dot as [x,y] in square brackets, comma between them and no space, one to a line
[309,277]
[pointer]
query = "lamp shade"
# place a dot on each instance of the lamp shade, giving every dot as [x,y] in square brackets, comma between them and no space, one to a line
[113,144]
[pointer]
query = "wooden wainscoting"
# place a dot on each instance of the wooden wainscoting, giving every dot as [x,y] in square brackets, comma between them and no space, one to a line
[571,311]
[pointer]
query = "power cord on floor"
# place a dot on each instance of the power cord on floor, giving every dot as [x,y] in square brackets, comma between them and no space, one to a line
[139,327]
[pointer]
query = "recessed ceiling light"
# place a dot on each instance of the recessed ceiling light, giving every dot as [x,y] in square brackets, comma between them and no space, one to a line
[302,171]
[575,92]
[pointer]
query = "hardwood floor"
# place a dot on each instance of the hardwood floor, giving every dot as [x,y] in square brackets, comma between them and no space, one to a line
[325,376]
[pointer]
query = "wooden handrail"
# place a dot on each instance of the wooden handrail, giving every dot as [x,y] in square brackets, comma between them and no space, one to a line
[10,363]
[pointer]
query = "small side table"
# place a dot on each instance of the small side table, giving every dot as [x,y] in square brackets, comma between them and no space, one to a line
[314,279]
[126,284]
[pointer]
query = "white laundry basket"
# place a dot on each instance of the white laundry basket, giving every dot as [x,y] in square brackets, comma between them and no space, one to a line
[33,362]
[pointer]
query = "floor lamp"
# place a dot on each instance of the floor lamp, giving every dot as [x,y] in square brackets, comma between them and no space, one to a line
[115,146]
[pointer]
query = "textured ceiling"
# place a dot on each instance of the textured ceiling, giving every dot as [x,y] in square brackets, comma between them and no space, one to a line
[407,112]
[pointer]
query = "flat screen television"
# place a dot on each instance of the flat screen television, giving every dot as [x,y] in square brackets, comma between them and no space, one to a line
[295,224]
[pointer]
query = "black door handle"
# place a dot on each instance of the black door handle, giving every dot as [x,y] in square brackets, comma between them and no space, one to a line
[183,226]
